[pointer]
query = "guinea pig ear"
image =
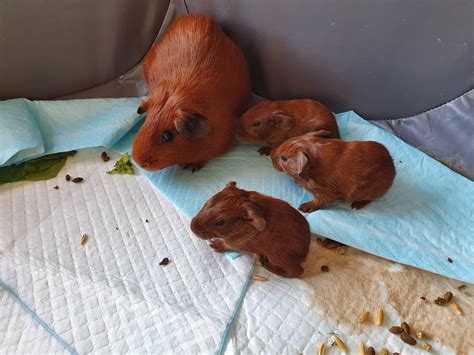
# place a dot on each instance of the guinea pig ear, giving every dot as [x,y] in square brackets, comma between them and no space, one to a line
[231,185]
[253,215]
[323,133]
[302,165]
[282,120]
[143,107]
[192,126]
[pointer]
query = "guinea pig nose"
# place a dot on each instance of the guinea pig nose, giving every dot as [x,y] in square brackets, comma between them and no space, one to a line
[195,225]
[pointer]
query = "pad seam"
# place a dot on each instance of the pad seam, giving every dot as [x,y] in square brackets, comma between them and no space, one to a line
[238,305]
[36,318]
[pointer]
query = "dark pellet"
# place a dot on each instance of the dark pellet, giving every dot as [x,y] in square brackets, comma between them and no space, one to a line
[423,298]
[450,260]
[396,330]
[370,351]
[165,261]
[68,177]
[324,268]
[56,187]
[448,296]
[146,220]
[104,157]
[440,301]
[408,339]
[77,180]
[405,327]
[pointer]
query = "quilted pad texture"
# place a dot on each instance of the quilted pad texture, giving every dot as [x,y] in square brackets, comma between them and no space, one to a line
[111,294]
[296,316]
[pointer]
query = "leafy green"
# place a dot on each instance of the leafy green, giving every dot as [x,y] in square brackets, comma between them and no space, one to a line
[12,173]
[43,168]
[122,166]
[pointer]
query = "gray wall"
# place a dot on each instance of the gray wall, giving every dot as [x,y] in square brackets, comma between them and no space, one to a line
[52,48]
[384,59]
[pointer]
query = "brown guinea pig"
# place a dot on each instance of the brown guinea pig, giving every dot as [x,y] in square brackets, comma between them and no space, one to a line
[246,221]
[273,122]
[198,86]
[331,169]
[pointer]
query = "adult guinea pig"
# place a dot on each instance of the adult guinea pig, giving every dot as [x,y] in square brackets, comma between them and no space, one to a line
[198,86]
[246,221]
[331,169]
[273,122]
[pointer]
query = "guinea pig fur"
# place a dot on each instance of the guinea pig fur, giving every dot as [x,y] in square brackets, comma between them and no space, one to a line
[331,169]
[273,122]
[198,87]
[249,222]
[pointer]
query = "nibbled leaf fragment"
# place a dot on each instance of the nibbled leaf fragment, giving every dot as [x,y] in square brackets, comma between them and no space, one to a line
[122,166]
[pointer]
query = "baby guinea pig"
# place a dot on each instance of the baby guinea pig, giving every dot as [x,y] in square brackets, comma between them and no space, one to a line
[273,122]
[331,169]
[249,222]
[198,87]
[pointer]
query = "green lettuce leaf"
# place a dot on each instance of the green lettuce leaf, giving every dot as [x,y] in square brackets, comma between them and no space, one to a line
[43,168]
[122,167]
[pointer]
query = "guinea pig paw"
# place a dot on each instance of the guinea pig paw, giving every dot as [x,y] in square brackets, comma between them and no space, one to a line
[265,151]
[219,245]
[262,259]
[357,205]
[193,166]
[309,207]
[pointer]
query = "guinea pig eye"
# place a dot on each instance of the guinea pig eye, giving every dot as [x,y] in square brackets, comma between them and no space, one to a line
[256,124]
[166,137]
[219,223]
[284,158]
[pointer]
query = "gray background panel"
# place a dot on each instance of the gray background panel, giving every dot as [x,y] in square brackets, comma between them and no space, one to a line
[51,48]
[384,59]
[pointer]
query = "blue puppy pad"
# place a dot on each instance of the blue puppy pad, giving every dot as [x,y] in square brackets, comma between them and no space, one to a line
[29,129]
[20,136]
[424,219]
